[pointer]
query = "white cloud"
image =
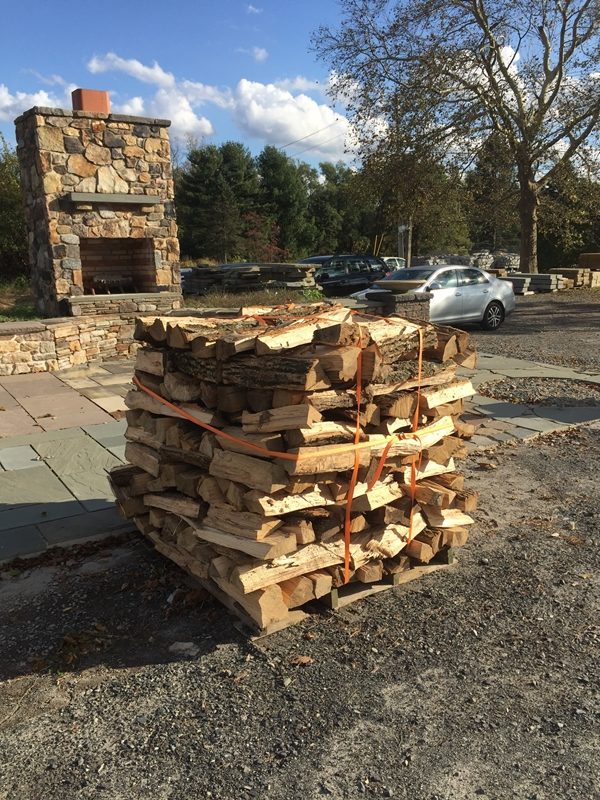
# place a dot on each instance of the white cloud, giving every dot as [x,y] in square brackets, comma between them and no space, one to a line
[299,83]
[267,112]
[12,105]
[111,62]
[250,9]
[176,107]
[172,100]
[134,106]
[259,54]
[280,113]
[200,93]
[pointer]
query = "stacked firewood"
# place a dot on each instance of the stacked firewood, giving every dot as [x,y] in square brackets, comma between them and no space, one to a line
[274,456]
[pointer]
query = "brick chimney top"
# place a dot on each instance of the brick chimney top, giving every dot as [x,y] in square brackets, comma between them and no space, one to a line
[91,100]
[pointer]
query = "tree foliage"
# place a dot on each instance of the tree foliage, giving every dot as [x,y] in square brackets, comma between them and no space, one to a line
[452,72]
[13,234]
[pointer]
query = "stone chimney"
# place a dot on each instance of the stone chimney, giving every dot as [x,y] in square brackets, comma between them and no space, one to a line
[98,190]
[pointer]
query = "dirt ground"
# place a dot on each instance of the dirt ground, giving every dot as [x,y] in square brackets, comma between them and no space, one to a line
[117,681]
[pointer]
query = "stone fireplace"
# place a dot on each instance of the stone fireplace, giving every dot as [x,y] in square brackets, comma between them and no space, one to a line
[98,191]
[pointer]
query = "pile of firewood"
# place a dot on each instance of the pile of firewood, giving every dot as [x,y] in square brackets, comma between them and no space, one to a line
[274,455]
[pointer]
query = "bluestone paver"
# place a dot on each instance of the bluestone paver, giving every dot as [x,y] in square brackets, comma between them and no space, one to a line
[90,525]
[29,496]
[20,457]
[82,465]
[571,415]
[23,541]
[534,423]
[118,451]
[16,421]
[41,436]
[106,431]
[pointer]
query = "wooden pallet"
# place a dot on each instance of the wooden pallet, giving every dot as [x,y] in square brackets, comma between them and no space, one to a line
[345,595]
[336,600]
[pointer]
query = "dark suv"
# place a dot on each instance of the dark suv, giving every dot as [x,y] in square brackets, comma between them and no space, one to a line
[344,274]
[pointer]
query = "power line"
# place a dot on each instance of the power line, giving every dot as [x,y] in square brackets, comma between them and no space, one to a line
[317,146]
[308,135]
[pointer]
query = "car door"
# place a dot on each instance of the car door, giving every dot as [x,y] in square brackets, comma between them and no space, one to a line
[446,300]
[475,288]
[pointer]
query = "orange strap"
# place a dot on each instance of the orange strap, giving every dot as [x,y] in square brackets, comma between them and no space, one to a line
[354,476]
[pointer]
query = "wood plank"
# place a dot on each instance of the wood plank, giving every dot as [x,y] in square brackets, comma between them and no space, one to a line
[297,591]
[242,523]
[175,503]
[380,495]
[265,606]
[252,472]
[436,396]
[298,333]
[340,598]
[370,572]
[251,577]
[266,549]
[151,360]
[302,373]
[181,387]
[321,432]
[230,399]
[302,529]
[323,459]
[270,506]
[140,400]
[267,441]
[144,457]
[427,470]
[283,418]
[187,480]
[467,500]
[446,517]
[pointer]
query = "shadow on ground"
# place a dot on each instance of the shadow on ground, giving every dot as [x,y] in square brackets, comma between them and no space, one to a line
[116,604]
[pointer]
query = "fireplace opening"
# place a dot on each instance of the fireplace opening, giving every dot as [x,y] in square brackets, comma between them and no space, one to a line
[115,266]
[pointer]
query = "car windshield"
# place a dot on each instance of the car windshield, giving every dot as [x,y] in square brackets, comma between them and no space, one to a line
[410,274]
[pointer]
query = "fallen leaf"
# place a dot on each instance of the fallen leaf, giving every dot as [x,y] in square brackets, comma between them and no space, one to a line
[302,661]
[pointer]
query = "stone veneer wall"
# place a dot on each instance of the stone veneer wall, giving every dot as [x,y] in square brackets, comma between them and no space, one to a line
[52,344]
[61,152]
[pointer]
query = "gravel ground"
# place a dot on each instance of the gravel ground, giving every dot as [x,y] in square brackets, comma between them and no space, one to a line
[543,391]
[118,682]
[557,328]
[480,681]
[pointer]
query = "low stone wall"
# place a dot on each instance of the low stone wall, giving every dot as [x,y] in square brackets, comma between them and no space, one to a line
[55,344]
[122,304]
[98,327]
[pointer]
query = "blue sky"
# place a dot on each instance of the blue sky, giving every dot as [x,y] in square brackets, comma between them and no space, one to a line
[219,70]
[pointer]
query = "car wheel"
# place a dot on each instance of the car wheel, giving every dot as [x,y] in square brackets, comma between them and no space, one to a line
[493,316]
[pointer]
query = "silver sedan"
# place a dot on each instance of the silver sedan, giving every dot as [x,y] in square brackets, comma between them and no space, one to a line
[458,293]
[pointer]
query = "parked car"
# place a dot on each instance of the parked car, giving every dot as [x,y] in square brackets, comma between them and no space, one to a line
[342,274]
[459,294]
[394,262]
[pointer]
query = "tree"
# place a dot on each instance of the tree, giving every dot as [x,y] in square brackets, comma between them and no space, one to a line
[569,217]
[494,189]
[412,188]
[284,197]
[455,71]
[13,230]
[218,186]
